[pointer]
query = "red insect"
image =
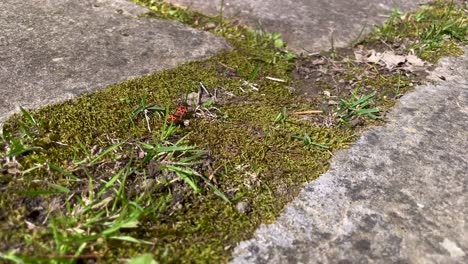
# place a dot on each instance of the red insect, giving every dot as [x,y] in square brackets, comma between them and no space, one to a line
[178,115]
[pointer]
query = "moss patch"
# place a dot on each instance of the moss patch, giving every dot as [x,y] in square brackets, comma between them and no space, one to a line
[95,147]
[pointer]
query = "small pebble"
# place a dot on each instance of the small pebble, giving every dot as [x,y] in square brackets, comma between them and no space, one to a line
[210,26]
[356,122]
[243,207]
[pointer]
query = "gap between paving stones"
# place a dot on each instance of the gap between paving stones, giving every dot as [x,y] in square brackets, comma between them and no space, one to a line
[397,195]
[268,116]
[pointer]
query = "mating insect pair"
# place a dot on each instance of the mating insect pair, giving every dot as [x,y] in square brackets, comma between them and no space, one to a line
[179,113]
[182,108]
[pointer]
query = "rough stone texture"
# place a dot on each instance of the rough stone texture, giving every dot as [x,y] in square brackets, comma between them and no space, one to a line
[399,195]
[56,49]
[306,23]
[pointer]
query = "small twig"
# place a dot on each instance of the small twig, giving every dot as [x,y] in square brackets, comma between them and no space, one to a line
[332,61]
[275,79]
[313,53]
[386,44]
[205,90]
[147,119]
[60,143]
[309,112]
[227,67]
[212,174]
[199,98]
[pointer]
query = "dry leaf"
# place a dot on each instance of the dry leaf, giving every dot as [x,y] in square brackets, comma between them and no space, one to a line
[414,60]
[392,60]
[318,62]
[374,57]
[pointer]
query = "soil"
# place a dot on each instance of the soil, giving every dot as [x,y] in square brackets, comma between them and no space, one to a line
[325,78]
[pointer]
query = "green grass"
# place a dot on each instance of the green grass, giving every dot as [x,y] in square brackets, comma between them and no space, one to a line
[105,177]
[309,143]
[96,216]
[355,107]
[432,32]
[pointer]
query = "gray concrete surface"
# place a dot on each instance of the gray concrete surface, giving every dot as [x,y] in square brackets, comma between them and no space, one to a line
[399,195]
[306,23]
[52,50]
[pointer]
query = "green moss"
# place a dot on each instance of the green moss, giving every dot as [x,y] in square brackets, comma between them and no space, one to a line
[243,135]
[256,160]
[445,49]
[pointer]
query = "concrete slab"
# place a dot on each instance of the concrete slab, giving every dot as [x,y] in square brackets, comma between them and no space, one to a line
[306,23]
[399,195]
[54,50]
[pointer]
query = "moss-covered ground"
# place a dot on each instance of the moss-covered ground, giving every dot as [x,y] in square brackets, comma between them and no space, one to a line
[105,177]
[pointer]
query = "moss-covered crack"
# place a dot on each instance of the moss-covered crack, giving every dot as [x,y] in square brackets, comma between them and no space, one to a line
[246,155]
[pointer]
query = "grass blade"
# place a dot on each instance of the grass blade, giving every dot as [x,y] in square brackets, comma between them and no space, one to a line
[28,116]
[111,182]
[215,189]
[131,239]
[21,150]
[174,149]
[59,188]
[189,181]
[62,171]
[105,152]
[10,256]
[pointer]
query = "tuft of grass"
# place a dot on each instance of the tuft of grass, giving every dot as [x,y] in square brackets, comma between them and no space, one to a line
[24,142]
[282,116]
[432,32]
[104,215]
[309,143]
[356,107]
[94,218]
[145,109]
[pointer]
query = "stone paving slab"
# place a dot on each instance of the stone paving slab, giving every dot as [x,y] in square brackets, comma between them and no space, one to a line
[306,24]
[399,195]
[56,49]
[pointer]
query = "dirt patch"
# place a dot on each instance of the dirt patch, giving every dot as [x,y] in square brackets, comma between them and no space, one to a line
[326,78]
